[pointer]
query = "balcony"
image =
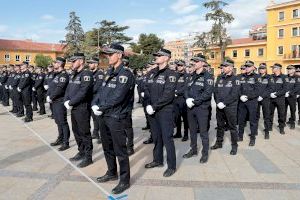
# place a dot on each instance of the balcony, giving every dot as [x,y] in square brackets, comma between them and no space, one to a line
[292,56]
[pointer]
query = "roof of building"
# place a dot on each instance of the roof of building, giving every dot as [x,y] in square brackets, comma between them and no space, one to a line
[241,41]
[284,4]
[29,45]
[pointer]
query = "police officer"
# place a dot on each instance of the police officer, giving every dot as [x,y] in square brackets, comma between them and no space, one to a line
[278,96]
[48,78]
[266,87]
[25,88]
[55,96]
[38,87]
[5,89]
[98,76]
[248,102]
[78,99]
[291,95]
[198,95]
[34,92]
[298,93]
[180,108]
[112,104]
[159,96]
[17,95]
[226,95]
[9,84]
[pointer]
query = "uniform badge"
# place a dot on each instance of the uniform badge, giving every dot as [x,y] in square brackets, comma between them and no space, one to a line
[172,79]
[86,78]
[100,76]
[26,75]
[210,81]
[62,79]
[123,79]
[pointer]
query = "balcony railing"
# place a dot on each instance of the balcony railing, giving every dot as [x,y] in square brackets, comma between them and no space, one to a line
[292,56]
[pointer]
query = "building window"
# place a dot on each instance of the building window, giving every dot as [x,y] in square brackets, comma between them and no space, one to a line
[280,50]
[295,31]
[27,58]
[247,52]
[295,13]
[295,51]
[234,53]
[281,33]
[7,57]
[17,58]
[212,55]
[281,16]
[260,52]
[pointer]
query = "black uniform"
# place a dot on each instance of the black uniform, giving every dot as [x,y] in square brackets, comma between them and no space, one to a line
[200,88]
[25,85]
[292,99]
[114,100]
[48,78]
[56,92]
[227,90]
[34,93]
[250,88]
[40,91]
[5,91]
[17,95]
[80,93]
[11,94]
[298,98]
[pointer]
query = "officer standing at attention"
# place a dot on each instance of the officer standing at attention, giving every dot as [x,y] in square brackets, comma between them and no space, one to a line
[34,93]
[98,76]
[226,95]
[48,78]
[278,97]
[198,95]
[298,93]
[266,87]
[5,91]
[78,99]
[16,94]
[25,88]
[55,96]
[38,87]
[9,83]
[159,96]
[112,104]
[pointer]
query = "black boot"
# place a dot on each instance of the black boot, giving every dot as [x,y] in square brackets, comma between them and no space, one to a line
[191,153]
[204,159]
[148,141]
[292,125]
[177,135]
[85,162]
[252,143]
[267,135]
[218,145]
[281,131]
[78,156]
[106,178]
[56,143]
[233,150]
[121,187]
[64,147]
[130,151]
[95,136]
[185,138]
[28,119]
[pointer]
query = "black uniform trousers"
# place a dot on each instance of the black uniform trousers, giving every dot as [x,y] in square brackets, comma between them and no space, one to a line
[291,102]
[1,92]
[298,102]
[80,118]
[245,109]
[13,99]
[60,118]
[226,118]
[18,101]
[278,103]
[198,118]
[96,122]
[34,100]
[129,131]
[265,105]
[26,98]
[113,137]
[5,100]
[41,100]
[162,128]
[180,111]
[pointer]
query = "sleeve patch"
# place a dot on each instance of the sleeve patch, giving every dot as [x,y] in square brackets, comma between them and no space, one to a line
[172,79]
[86,78]
[123,79]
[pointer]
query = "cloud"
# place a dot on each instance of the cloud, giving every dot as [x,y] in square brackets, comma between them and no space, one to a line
[138,23]
[183,6]
[3,28]
[47,17]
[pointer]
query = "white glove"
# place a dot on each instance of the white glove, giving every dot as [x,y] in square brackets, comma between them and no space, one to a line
[244,98]
[66,104]
[143,94]
[10,87]
[18,89]
[190,102]
[221,105]
[33,89]
[273,95]
[176,95]
[96,110]
[46,87]
[260,98]
[0,83]
[150,110]
[287,94]
[6,87]
[297,96]
[48,99]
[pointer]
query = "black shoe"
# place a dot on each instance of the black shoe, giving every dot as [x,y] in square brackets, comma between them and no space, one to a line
[288,122]
[185,138]
[233,150]
[20,115]
[26,120]
[34,109]
[177,136]
[204,159]
[153,164]
[252,143]
[12,111]
[299,122]
[106,178]
[85,162]
[121,187]
[42,113]
[267,135]
[56,143]
[190,154]
[240,139]
[146,128]
[292,126]
[169,172]
[281,131]
[95,136]
[218,145]
[99,141]
[77,157]
[130,151]
[64,147]
[148,141]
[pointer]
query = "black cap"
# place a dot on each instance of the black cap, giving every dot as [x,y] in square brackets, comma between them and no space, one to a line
[277,65]
[93,60]
[262,66]
[163,52]
[227,62]
[77,56]
[290,67]
[60,59]
[249,63]
[199,57]
[113,48]
[180,63]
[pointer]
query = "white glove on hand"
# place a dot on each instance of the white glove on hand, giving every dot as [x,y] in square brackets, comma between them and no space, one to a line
[48,99]
[33,89]
[221,105]
[46,87]
[66,104]
[190,102]
[273,95]
[10,87]
[150,110]
[6,87]
[244,98]
[260,98]
[287,94]
[143,94]
[96,110]
[18,89]
[297,96]
[0,83]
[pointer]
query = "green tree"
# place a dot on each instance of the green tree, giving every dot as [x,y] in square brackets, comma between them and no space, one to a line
[75,36]
[147,44]
[42,61]
[139,61]
[204,42]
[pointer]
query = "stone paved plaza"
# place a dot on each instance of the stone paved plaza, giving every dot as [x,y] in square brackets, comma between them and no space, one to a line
[30,169]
